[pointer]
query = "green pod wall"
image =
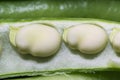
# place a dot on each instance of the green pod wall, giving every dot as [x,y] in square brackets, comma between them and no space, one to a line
[39,9]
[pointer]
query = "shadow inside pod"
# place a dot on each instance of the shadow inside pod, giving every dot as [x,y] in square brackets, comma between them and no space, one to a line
[117,54]
[86,56]
[34,58]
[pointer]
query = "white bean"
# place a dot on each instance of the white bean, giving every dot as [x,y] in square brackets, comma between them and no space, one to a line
[87,38]
[115,39]
[38,40]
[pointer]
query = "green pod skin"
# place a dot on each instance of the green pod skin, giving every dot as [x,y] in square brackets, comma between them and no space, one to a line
[76,76]
[40,9]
